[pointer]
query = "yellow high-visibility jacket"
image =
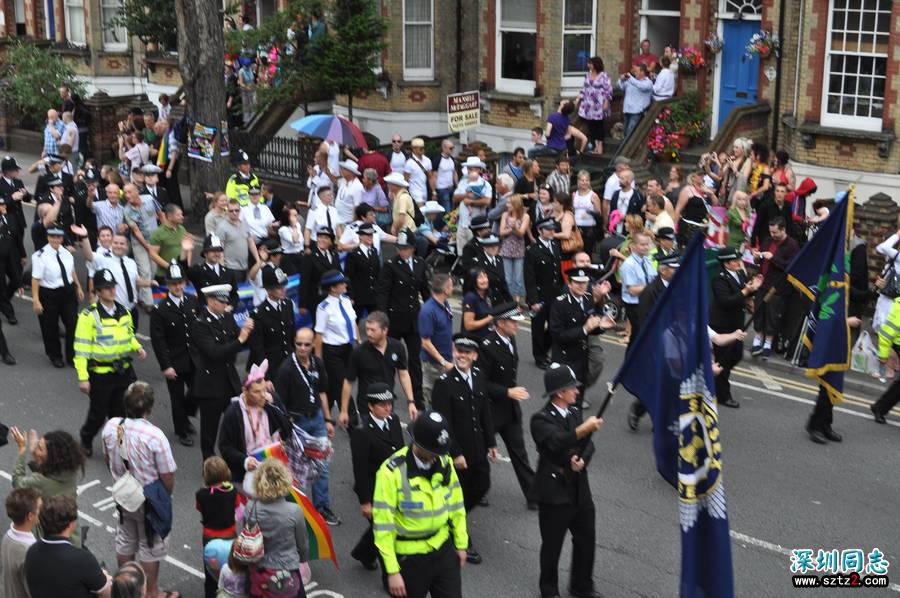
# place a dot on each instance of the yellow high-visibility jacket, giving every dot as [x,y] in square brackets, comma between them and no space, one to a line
[238,188]
[889,333]
[103,339]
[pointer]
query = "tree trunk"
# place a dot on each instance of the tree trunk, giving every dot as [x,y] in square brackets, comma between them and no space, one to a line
[201,51]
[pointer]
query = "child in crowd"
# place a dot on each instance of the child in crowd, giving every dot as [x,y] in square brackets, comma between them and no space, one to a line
[217,502]
[233,578]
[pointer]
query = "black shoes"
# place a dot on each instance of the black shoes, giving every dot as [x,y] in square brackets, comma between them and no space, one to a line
[484,502]
[8,359]
[588,594]
[329,516]
[532,506]
[12,320]
[815,434]
[186,440]
[831,435]
[367,564]
[472,556]
[879,417]
[542,364]
[730,403]
[58,363]
[633,420]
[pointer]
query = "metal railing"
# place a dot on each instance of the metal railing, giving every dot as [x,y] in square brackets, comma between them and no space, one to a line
[284,158]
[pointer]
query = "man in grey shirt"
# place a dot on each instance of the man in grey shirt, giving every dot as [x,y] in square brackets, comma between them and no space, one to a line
[237,240]
[109,211]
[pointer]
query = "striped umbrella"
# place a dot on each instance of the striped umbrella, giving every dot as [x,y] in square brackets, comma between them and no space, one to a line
[332,128]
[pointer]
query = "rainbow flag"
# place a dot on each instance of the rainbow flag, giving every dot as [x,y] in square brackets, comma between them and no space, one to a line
[162,158]
[321,546]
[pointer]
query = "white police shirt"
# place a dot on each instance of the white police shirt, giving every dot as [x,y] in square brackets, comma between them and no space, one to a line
[259,226]
[45,267]
[350,236]
[331,323]
[101,254]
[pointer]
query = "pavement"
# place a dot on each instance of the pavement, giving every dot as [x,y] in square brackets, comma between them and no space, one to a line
[783,491]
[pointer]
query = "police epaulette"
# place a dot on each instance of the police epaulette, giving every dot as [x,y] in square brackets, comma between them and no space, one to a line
[395,461]
[87,310]
[561,297]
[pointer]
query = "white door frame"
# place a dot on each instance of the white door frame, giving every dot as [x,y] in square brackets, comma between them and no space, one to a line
[717,76]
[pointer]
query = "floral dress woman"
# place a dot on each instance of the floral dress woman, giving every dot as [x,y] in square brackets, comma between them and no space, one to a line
[593,106]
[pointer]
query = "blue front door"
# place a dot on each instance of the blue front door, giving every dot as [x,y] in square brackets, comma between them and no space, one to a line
[740,74]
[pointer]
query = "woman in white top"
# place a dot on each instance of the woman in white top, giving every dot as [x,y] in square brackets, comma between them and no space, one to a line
[291,237]
[890,250]
[585,201]
[350,191]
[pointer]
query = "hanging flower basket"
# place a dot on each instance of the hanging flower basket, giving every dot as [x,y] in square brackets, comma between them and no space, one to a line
[690,60]
[714,44]
[762,44]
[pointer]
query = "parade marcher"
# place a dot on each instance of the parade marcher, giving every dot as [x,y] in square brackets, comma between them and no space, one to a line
[12,259]
[461,396]
[13,190]
[104,348]
[274,330]
[543,281]
[363,266]
[418,515]
[321,259]
[56,292]
[336,332]
[492,263]
[730,293]
[480,228]
[819,424]
[87,191]
[216,341]
[377,360]
[378,436]
[170,335]
[498,362]
[239,183]
[401,285]
[888,340]
[52,211]
[436,332]
[211,271]
[300,385]
[151,185]
[124,269]
[571,321]
[637,273]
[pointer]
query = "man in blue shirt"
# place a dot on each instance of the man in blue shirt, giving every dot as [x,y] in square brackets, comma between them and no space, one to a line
[638,90]
[637,273]
[436,330]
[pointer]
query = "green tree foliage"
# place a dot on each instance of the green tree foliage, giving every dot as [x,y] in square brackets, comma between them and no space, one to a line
[31,78]
[151,21]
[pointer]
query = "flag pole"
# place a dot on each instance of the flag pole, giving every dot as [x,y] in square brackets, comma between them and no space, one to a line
[768,296]
[611,390]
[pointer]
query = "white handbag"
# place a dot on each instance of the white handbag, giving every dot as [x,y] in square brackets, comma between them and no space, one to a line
[127,491]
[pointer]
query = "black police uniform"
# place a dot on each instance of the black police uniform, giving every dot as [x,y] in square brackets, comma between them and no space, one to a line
[273,333]
[215,348]
[312,267]
[498,291]
[543,281]
[41,188]
[468,414]
[726,314]
[170,335]
[570,343]
[203,275]
[500,366]
[14,208]
[83,214]
[363,271]
[368,365]
[12,250]
[370,446]
[470,251]
[563,497]
[159,193]
[399,291]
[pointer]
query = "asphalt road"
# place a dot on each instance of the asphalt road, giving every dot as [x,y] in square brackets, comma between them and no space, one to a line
[783,491]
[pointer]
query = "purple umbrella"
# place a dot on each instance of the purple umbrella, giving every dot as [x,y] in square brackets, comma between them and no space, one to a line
[331,127]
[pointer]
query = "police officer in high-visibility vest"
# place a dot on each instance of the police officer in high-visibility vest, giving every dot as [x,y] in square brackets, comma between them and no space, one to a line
[239,184]
[104,348]
[418,515]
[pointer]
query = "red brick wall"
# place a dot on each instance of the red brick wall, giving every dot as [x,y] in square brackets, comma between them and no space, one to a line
[490,43]
[893,70]
[815,61]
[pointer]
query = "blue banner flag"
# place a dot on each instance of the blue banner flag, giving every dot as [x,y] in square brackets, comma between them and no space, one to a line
[821,272]
[669,368]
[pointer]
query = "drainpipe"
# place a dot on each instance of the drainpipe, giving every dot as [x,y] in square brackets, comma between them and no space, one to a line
[459,50]
[776,112]
[799,60]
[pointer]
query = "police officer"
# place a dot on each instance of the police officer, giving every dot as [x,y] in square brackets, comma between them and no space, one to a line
[418,515]
[561,486]
[87,193]
[378,436]
[461,396]
[543,282]
[170,335]
[492,264]
[53,211]
[53,169]
[498,361]
[571,321]
[320,260]
[151,186]
[730,291]
[336,332]
[480,227]
[401,283]
[13,190]
[363,265]
[888,340]
[211,271]
[216,341]
[104,348]
[56,292]
[12,259]
[274,330]
[239,183]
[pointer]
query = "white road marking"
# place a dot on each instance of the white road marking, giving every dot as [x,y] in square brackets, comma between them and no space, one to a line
[142,337]
[89,519]
[103,502]
[185,567]
[766,379]
[84,487]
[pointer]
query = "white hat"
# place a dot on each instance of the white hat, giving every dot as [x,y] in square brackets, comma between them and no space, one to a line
[220,292]
[396,178]
[474,162]
[432,207]
[350,165]
[151,169]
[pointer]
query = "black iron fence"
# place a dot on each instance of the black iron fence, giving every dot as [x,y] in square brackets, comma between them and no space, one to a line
[284,158]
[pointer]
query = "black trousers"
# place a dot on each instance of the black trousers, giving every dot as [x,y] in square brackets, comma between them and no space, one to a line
[182,399]
[59,305]
[413,343]
[475,482]
[366,551]
[540,335]
[436,574]
[336,358]
[727,357]
[4,348]
[631,312]
[512,436]
[10,281]
[554,521]
[823,413]
[889,399]
[211,410]
[107,401]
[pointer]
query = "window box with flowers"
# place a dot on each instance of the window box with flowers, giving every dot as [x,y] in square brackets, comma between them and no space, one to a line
[690,60]
[676,127]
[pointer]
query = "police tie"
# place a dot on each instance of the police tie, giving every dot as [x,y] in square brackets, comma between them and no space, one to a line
[128,287]
[644,268]
[256,213]
[328,219]
[62,271]
[347,321]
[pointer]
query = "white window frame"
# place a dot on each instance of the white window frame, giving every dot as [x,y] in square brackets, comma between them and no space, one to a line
[645,12]
[111,46]
[514,86]
[844,121]
[68,6]
[419,74]
[576,81]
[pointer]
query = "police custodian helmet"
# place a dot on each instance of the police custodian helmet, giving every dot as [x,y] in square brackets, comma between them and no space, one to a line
[430,432]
